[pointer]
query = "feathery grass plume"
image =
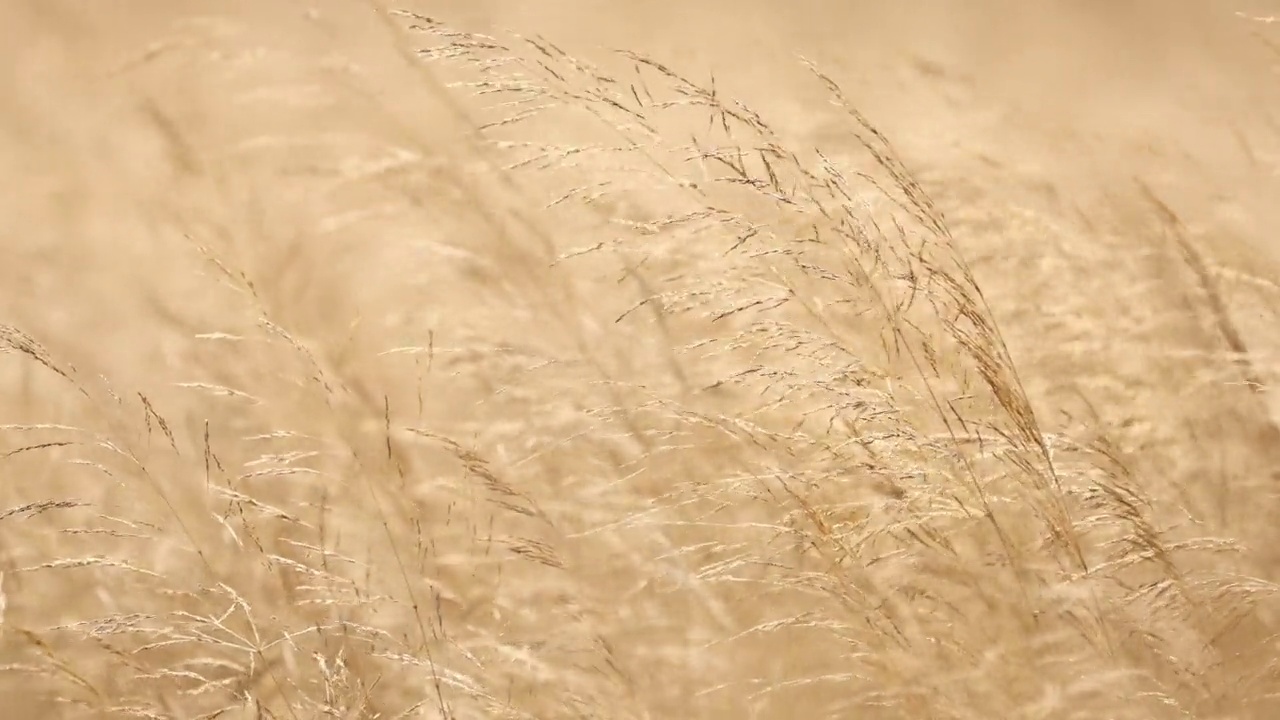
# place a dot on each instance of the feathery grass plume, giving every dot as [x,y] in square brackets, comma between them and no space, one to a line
[627,405]
[876,412]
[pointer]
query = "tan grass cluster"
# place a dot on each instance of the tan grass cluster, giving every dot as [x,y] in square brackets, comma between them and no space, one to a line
[672,419]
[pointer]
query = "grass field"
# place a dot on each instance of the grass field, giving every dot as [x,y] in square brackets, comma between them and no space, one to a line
[384,362]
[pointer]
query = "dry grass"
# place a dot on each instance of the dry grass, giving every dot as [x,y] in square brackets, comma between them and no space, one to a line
[628,406]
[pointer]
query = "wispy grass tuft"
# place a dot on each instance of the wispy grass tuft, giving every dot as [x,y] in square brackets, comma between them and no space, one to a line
[698,422]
